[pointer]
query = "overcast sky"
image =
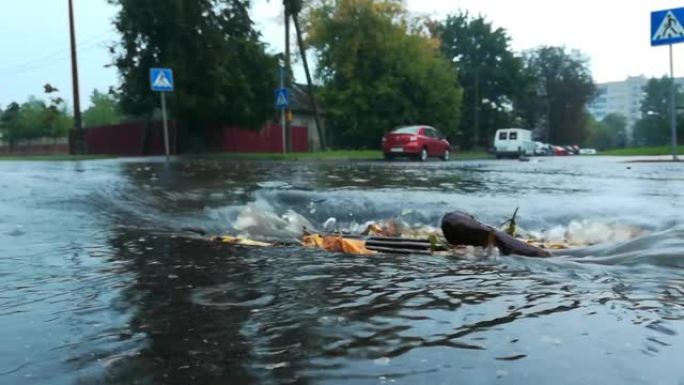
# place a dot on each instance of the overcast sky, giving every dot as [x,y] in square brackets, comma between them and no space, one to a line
[34,39]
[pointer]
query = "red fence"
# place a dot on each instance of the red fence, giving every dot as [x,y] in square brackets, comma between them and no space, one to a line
[269,139]
[132,139]
[43,146]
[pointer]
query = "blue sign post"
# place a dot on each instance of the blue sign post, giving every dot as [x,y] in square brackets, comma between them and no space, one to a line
[161,80]
[282,98]
[282,101]
[667,29]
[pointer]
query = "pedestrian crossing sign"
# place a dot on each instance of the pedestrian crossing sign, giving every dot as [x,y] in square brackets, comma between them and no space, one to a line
[282,98]
[666,27]
[161,79]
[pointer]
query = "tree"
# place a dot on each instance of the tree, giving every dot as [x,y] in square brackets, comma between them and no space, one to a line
[35,119]
[9,123]
[608,133]
[223,73]
[39,120]
[377,75]
[556,102]
[653,129]
[488,71]
[103,111]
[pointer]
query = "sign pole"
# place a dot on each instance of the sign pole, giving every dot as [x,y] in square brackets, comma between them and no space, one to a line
[673,112]
[282,110]
[161,80]
[166,126]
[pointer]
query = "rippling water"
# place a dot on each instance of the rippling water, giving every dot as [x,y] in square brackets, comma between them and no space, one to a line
[99,284]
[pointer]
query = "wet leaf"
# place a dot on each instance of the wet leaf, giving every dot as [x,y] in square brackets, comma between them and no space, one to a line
[512,358]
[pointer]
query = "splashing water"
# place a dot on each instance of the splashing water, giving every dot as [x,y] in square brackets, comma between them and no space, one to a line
[260,220]
[588,233]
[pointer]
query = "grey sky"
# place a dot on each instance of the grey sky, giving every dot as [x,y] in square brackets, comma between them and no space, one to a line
[615,34]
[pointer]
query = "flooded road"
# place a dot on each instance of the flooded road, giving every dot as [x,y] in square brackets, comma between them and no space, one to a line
[100,284]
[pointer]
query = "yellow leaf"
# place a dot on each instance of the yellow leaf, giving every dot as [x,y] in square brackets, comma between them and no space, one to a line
[242,241]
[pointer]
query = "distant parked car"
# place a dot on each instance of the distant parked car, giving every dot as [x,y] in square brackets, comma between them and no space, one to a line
[419,142]
[560,151]
[587,151]
[542,149]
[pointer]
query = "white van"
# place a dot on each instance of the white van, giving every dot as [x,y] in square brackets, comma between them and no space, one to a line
[513,142]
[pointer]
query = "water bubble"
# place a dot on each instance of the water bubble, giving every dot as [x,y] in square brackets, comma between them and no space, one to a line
[551,340]
[330,224]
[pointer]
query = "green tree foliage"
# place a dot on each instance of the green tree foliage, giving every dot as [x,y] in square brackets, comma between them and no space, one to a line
[9,123]
[488,71]
[556,103]
[223,74]
[608,133]
[103,111]
[38,119]
[377,74]
[653,129]
[35,119]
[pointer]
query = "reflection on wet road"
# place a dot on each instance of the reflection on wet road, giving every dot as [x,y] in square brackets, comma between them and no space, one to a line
[100,285]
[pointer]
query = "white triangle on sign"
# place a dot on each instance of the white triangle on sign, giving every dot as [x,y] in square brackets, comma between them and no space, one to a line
[161,81]
[669,28]
[281,101]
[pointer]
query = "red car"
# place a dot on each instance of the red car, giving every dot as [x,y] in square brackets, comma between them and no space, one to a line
[560,151]
[420,142]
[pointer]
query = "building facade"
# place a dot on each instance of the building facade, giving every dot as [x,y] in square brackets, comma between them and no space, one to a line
[622,97]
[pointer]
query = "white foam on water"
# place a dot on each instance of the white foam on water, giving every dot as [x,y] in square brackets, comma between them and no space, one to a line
[260,220]
[588,233]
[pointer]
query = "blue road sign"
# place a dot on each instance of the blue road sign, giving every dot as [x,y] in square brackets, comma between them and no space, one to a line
[666,27]
[282,98]
[161,79]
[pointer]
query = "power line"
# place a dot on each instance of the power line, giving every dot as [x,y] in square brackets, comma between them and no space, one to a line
[55,55]
[64,56]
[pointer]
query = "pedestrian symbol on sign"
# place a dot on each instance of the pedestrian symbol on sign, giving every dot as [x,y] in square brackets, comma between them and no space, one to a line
[161,79]
[669,28]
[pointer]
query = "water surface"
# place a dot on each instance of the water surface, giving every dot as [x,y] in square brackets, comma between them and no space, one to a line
[99,284]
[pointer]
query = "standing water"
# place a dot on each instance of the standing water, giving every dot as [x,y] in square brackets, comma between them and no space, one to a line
[100,284]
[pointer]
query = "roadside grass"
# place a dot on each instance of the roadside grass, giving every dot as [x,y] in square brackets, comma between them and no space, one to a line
[57,158]
[642,151]
[472,155]
[318,155]
[334,155]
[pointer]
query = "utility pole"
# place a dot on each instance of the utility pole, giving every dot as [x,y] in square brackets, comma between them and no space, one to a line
[305,62]
[78,145]
[288,78]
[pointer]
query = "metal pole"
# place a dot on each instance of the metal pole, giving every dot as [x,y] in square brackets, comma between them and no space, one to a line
[305,62]
[476,107]
[166,127]
[673,112]
[288,74]
[79,141]
[282,110]
[548,118]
